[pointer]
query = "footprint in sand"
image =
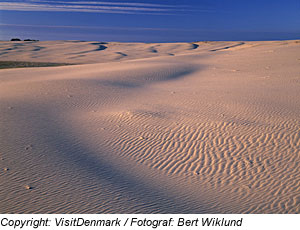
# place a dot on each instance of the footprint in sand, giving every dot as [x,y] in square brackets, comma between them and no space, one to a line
[27,147]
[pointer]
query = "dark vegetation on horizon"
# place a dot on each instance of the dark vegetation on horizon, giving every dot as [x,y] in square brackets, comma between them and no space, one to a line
[23,64]
[25,40]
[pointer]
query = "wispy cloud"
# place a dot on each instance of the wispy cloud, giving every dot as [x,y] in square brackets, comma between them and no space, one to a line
[111,3]
[97,27]
[94,7]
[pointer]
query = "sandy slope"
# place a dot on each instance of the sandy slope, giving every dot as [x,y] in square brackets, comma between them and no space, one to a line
[155,128]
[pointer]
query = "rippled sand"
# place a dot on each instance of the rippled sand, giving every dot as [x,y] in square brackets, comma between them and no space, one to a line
[206,127]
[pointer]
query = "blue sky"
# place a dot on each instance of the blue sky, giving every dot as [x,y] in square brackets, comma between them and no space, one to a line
[150,20]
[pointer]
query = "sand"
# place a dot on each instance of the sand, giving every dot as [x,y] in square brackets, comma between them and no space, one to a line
[204,127]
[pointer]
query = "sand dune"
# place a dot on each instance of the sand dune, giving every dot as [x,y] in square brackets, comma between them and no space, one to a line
[204,127]
[87,52]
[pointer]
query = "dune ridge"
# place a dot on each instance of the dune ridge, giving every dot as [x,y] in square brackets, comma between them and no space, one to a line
[204,127]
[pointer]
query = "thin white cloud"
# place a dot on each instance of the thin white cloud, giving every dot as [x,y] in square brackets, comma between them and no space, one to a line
[97,27]
[111,3]
[99,7]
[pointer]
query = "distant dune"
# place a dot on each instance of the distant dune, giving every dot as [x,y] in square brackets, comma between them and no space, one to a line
[203,127]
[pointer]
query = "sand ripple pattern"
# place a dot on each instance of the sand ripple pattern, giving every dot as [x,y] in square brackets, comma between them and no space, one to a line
[206,127]
[237,158]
